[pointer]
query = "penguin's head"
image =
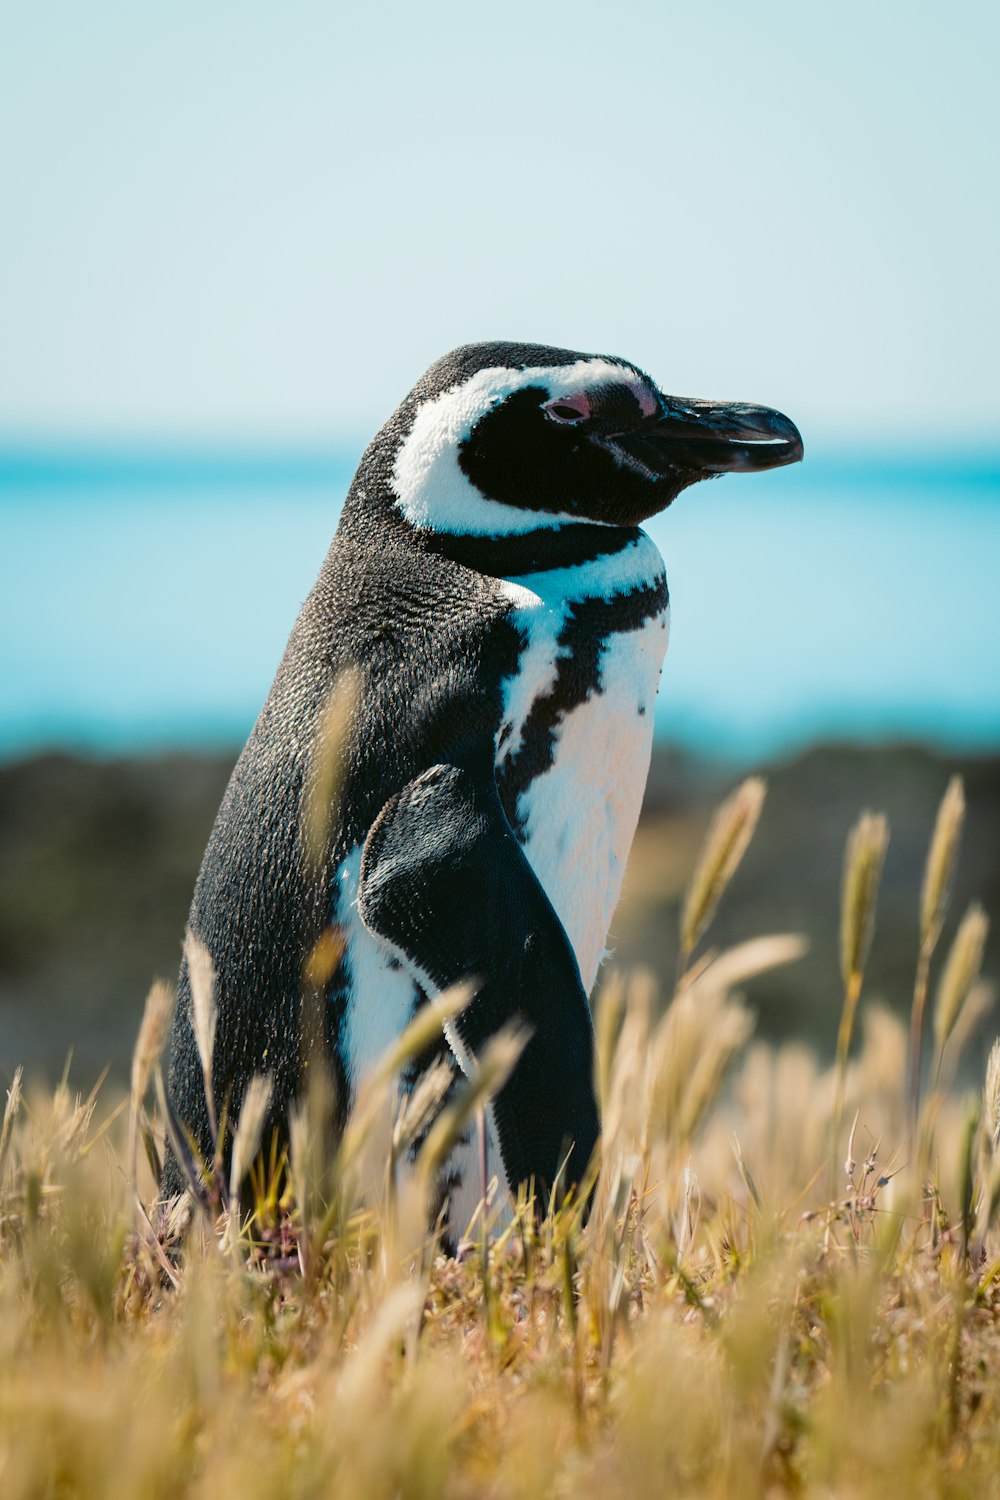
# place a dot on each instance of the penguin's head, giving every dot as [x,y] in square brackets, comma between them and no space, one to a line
[501,439]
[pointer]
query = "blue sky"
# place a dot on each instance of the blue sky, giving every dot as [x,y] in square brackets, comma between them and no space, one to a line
[249,222]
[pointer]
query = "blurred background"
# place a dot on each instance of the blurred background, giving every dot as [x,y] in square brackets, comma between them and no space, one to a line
[235,236]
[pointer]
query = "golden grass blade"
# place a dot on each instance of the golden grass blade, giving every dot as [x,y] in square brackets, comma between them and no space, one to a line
[727,840]
[177,1137]
[360,1385]
[13,1105]
[967,1179]
[692,1050]
[978,1005]
[431,1019]
[154,1029]
[326,953]
[420,1107]
[317,970]
[204,1013]
[863,861]
[745,1173]
[864,858]
[733,967]
[991,1097]
[374,1108]
[246,1140]
[958,990]
[312,1159]
[622,1062]
[961,970]
[942,856]
[941,860]
[609,1015]
[328,760]
[493,1067]
[730,1033]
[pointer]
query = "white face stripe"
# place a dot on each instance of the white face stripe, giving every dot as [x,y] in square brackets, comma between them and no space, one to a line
[430,488]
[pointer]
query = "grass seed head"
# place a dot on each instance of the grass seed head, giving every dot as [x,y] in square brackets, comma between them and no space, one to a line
[10,1115]
[991,1097]
[419,1108]
[734,966]
[153,1032]
[691,1052]
[973,1014]
[491,1069]
[961,971]
[246,1141]
[728,837]
[941,859]
[204,1011]
[863,861]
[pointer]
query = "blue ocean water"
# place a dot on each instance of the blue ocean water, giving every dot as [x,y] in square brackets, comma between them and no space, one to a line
[145,600]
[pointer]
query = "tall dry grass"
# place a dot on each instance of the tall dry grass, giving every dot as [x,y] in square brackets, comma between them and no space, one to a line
[721,1324]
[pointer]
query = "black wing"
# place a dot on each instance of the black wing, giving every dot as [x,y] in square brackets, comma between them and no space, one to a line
[444,880]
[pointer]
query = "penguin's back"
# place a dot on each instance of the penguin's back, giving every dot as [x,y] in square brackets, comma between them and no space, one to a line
[433,644]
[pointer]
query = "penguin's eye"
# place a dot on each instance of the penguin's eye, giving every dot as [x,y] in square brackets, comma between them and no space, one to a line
[567,410]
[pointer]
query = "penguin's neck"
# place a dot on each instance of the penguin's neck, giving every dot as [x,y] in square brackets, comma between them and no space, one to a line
[371,520]
[544,550]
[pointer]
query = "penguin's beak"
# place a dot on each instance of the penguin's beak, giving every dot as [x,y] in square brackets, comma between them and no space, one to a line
[714,437]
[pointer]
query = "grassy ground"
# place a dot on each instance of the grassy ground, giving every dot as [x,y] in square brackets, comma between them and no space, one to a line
[788,1282]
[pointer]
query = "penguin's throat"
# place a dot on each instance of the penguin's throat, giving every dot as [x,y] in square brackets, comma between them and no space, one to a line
[538,551]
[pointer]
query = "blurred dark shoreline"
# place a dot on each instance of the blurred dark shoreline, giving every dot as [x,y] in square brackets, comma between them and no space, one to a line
[98,858]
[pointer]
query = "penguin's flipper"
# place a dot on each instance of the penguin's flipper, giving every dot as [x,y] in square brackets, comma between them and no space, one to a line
[445,882]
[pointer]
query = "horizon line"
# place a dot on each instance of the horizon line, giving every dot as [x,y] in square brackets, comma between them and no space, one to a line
[139,461]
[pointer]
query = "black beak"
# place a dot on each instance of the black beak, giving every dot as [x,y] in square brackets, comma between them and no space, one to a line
[713,437]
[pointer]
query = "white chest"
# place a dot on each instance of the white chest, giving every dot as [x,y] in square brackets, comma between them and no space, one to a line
[584,693]
[576,817]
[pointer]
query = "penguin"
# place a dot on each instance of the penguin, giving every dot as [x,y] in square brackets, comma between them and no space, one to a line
[490,585]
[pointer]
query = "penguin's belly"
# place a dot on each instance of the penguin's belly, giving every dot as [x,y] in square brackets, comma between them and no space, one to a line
[577,818]
[572,756]
[574,749]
